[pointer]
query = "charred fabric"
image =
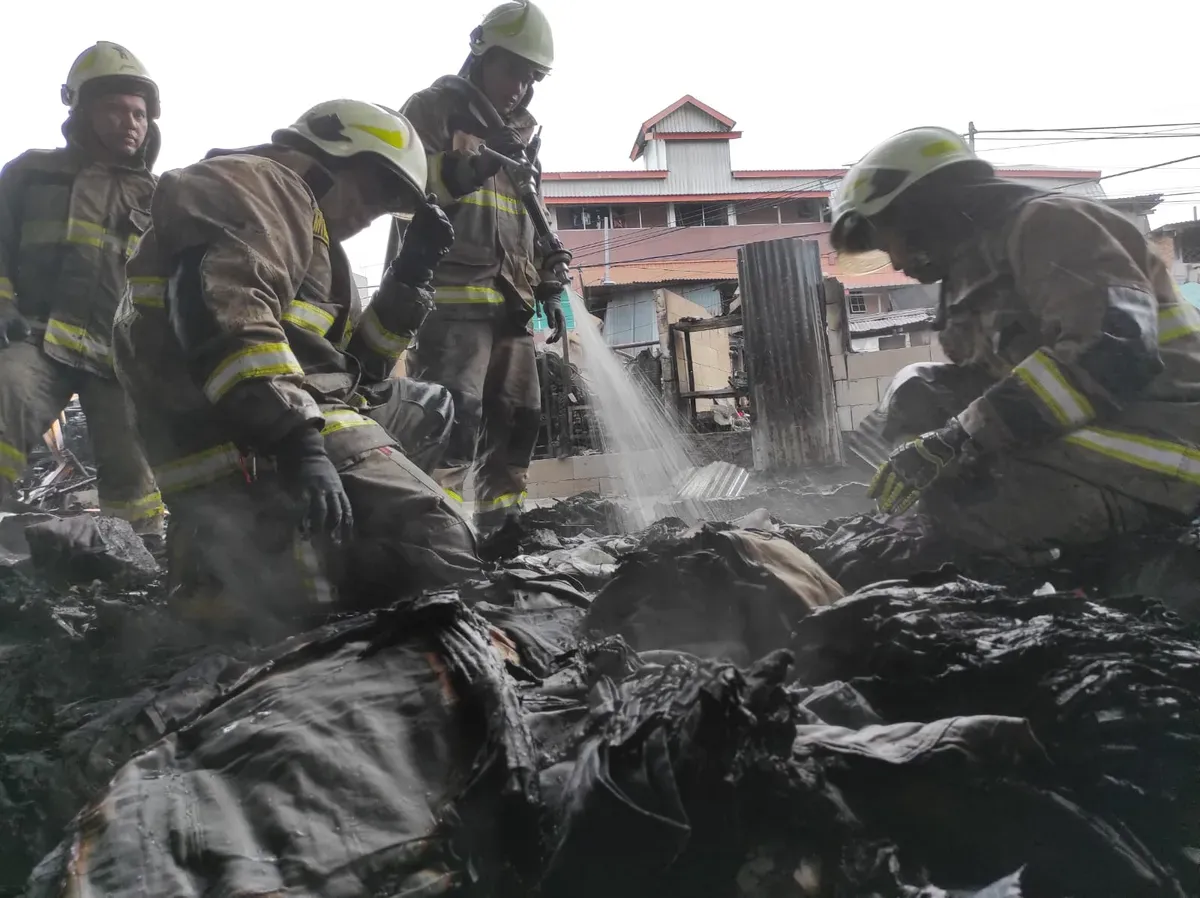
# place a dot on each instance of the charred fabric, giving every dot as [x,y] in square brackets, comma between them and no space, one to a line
[700,712]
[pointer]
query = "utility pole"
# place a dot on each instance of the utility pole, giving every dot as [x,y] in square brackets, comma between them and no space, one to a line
[971,132]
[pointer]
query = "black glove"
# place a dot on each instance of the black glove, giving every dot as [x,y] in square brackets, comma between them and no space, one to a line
[913,468]
[311,478]
[13,327]
[555,263]
[549,294]
[428,238]
[507,142]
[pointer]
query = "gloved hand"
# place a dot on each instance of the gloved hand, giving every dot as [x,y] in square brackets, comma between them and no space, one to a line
[311,478]
[428,238]
[505,141]
[13,326]
[913,468]
[549,294]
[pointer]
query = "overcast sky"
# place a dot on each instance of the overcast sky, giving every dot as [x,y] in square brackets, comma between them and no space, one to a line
[809,88]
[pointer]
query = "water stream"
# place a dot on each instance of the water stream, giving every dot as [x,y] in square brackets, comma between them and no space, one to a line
[650,450]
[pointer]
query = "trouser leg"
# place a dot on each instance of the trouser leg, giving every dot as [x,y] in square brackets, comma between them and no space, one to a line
[408,535]
[455,354]
[511,416]
[125,482]
[34,389]
[419,415]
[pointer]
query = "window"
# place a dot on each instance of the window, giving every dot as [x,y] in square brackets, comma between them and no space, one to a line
[804,210]
[588,218]
[631,319]
[893,341]
[858,304]
[708,215]
[756,212]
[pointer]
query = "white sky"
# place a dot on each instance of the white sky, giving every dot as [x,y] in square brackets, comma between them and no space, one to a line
[809,89]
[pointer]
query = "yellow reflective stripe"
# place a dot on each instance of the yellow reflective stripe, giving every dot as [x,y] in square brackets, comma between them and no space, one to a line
[1177,321]
[6,289]
[149,292]
[490,199]
[77,339]
[312,578]
[198,469]
[253,362]
[436,185]
[381,340]
[341,419]
[308,317]
[12,462]
[1067,404]
[79,232]
[509,500]
[149,506]
[1160,456]
[453,495]
[468,296]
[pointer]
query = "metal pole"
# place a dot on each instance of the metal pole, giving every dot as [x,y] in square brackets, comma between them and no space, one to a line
[971,135]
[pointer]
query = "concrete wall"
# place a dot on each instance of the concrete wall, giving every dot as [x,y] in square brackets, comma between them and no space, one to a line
[560,478]
[861,378]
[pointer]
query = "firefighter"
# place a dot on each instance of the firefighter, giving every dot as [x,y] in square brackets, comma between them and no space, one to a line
[1070,409]
[478,341]
[235,344]
[69,220]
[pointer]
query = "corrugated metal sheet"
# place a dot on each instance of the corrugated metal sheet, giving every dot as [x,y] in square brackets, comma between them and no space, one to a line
[697,167]
[688,118]
[717,480]
[795,417]
[872,323]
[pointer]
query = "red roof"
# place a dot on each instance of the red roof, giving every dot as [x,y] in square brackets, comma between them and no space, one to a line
[644,132]
[679,104]
[664,255]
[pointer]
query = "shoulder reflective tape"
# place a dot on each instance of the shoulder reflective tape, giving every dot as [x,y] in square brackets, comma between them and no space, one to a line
[343,419]
[509,500]
[437,186]
[381,340]
[12,462]
[308,317]
[468,296]
[1068,405]
[490,199]
[1177,321]
[1174,460]
[148,292]
[198,469]
[80,233]
[74,338]
[452,494]
[148,506]
[252,363]
[320,228]
[6,289]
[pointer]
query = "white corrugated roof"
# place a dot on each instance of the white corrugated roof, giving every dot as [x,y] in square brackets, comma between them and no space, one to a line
[870,323]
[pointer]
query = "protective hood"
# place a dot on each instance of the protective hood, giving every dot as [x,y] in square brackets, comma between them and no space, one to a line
[81,137]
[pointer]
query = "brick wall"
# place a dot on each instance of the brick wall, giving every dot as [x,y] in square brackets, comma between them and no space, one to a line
[560,478]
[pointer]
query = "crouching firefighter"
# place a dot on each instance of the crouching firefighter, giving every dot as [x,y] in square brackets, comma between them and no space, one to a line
[1070,410]
[235,345]
[69,220]
[478,341]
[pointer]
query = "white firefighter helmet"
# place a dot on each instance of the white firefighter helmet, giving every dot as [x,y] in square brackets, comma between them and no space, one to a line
[886,172]
[346,128]
[111,63]
[519,27]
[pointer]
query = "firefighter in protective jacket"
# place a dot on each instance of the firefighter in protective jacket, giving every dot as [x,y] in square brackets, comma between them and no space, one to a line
[236,345]
[478,341]
[1070,411]
[69,220]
